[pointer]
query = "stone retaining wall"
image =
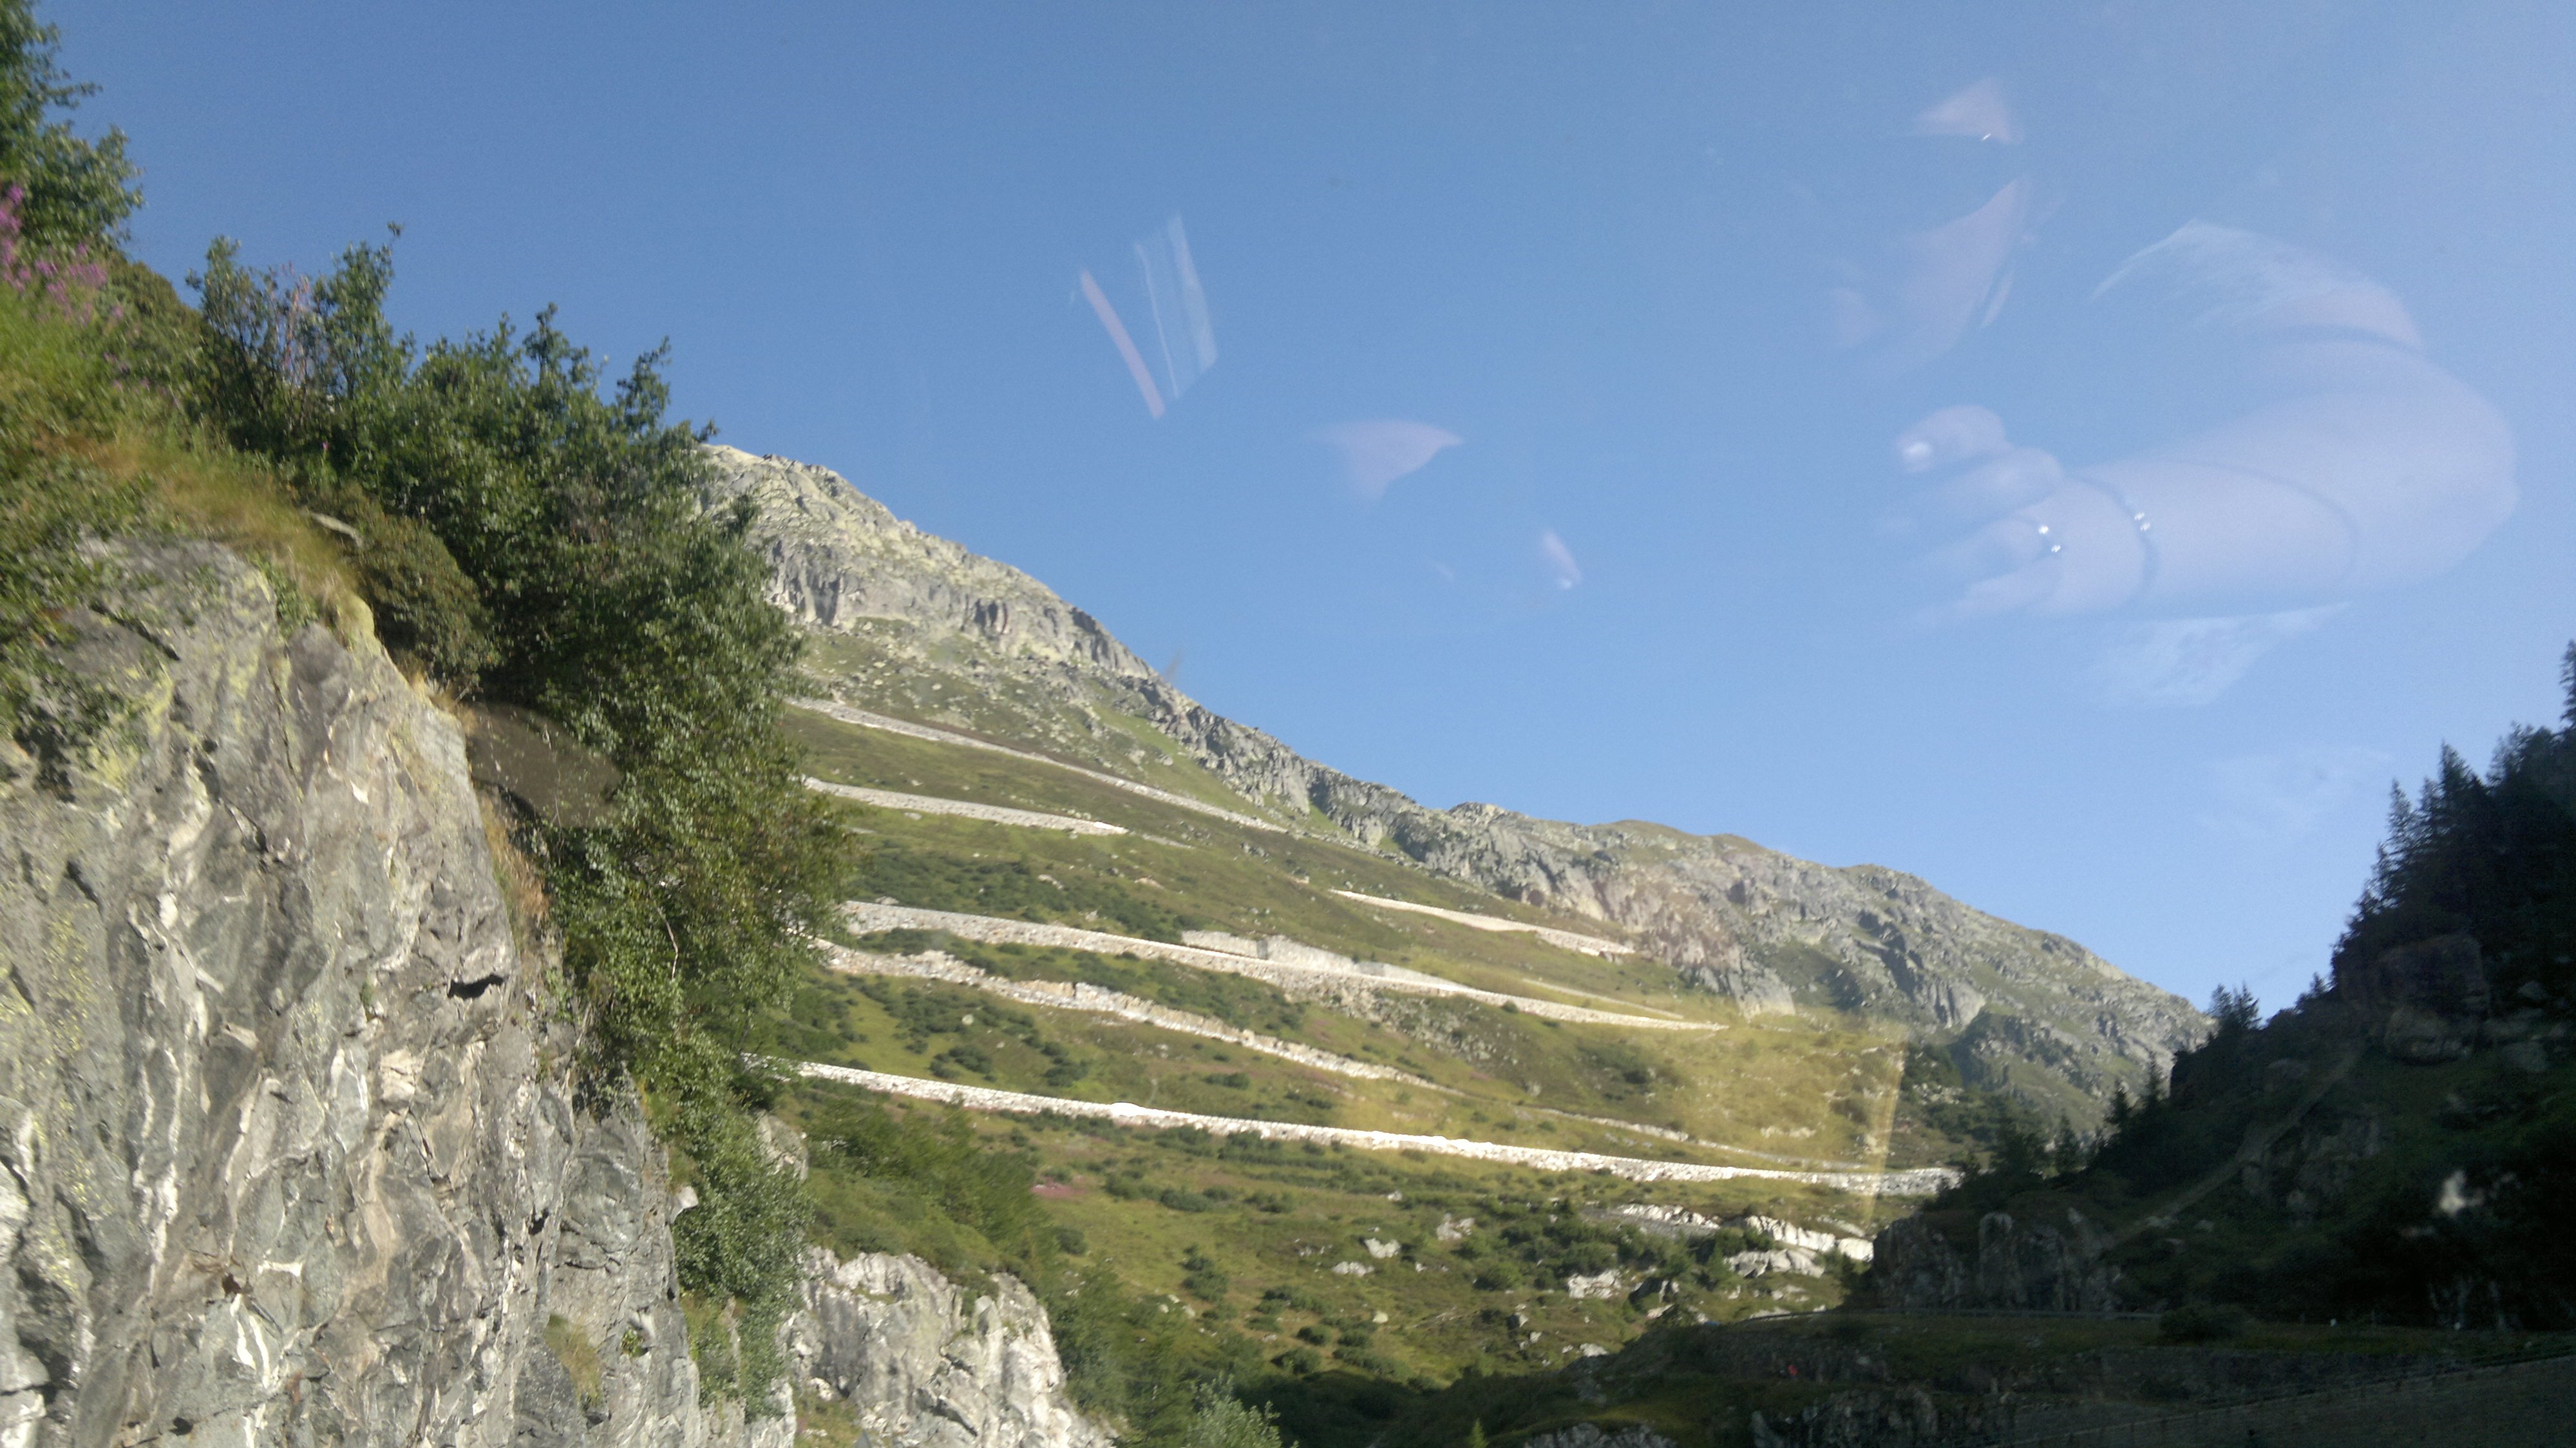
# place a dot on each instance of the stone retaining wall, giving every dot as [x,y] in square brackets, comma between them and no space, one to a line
[1561,939]
[1298,979]
[1083,996]
[1922,1182]
[866,720]
[964,809]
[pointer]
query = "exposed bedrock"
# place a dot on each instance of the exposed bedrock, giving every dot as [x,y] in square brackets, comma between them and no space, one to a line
[290,1149]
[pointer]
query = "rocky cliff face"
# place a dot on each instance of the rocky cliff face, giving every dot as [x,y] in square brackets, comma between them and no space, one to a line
[2023,1009]
[2012,1265]
[923,1363]
[289,1150]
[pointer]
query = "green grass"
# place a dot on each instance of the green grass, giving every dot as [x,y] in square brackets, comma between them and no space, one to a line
[579,1355]
[1216,1254]
[1795,1087]
[885,666]
[1792,1089]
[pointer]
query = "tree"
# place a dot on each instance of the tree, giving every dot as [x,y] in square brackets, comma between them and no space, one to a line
[2492,857]
[2236,1011]
[78,193]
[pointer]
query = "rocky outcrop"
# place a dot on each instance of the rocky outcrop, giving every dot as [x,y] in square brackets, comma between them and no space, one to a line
[290,1147]
[962,640]
[838,557]
[923,1363]
[290,1154]
[2015,1265]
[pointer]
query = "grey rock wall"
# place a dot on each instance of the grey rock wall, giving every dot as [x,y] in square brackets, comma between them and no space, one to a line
[289,1149]
[1854,1418]
[287,1154]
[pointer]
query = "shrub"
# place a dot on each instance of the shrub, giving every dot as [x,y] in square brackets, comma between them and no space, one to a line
[1205,1280]
[740,1243]
[544,545]
[930,1167]
[1220,1420]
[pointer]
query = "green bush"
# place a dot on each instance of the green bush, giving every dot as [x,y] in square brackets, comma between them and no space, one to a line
[933,1189]
[741,1242]
[1219,1420]
[1205,1281]
[55,401]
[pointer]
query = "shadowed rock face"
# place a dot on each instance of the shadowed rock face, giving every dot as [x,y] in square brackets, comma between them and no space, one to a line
[288,1149]
[2432,997]
[2034,1012]
[2015,1265]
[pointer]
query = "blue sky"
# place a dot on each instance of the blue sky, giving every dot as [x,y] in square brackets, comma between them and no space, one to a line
[1647,579]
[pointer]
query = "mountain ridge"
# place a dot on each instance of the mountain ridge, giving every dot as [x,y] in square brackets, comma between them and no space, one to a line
[911,624]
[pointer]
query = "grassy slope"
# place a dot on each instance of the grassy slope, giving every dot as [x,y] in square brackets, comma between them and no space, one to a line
[1272,1220]
[955,687]
[1233,1246]
[1818,1089]
[2342,1238]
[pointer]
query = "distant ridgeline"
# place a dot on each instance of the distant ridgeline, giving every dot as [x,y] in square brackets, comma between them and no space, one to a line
[2398,1145]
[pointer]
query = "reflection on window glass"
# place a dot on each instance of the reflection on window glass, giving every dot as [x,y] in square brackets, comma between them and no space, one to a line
[2036,445]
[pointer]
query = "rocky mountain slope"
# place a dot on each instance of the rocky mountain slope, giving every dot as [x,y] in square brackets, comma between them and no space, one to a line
[293,1146]
[919,627]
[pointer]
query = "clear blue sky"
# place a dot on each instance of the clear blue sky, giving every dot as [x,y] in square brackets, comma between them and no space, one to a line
[1567,265]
